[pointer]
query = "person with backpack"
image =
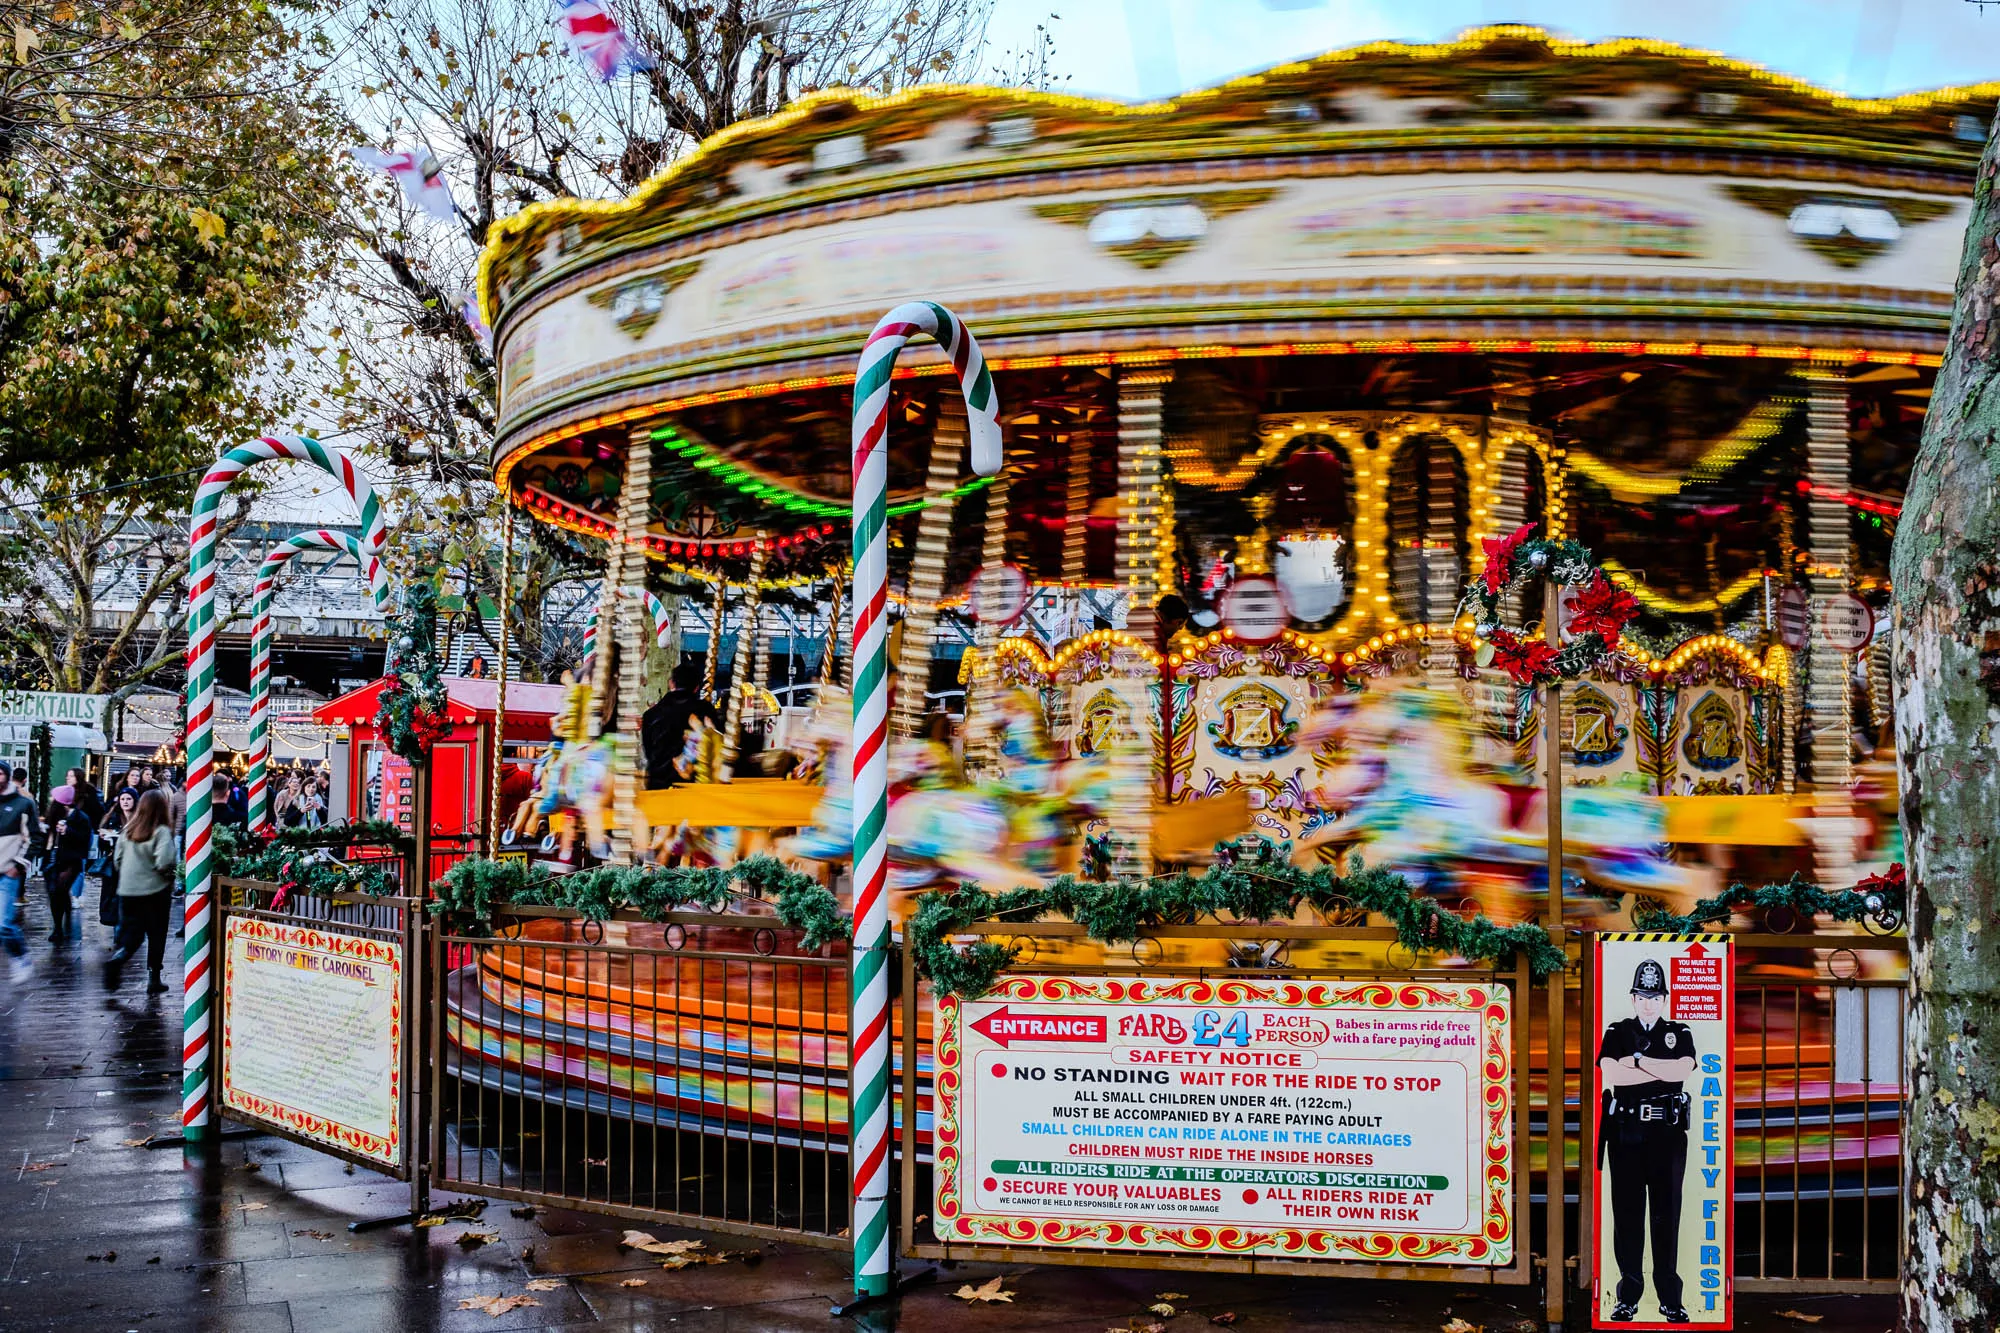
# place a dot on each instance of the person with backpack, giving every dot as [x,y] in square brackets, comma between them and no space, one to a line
[146,862]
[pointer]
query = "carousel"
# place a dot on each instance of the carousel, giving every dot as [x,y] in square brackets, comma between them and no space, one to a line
[1282,366]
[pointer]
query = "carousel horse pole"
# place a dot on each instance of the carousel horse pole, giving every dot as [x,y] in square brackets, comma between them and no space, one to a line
[868,1030]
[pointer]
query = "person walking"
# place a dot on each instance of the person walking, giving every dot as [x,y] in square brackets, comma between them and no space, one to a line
[19,825]
[71,833]
[123,807]
[175,796]
[146,861]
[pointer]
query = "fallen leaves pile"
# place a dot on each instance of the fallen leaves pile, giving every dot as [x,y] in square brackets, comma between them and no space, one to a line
[985,1292]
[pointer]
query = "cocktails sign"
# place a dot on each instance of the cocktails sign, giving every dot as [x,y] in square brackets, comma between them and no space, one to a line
[1354,1120]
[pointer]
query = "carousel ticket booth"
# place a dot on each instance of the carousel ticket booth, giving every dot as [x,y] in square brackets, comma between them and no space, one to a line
[381,785]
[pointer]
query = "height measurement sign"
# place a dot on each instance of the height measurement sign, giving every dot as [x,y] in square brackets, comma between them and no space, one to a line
[1359,1120]
[1661,1239]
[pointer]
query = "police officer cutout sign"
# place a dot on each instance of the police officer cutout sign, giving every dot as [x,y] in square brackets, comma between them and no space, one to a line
[1665,1066]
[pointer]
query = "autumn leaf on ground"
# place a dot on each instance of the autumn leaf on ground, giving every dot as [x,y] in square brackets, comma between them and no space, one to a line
[646,1241]
[1170,1295]
[432,1221]
[252,1207]
[43,1166]
[633,1282]
[1801,1316]
[316,1235]
[472,1240]
[496,1305]
[1461,1326]
[986,1291]
[1226,1317]
[134,1143]
[1163,1309]
[545,1284]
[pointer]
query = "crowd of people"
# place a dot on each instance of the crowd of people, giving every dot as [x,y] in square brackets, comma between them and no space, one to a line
[131,843]
[300,798]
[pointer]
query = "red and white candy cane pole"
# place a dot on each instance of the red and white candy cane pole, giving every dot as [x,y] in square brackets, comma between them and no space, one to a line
[663,625]
[868,1029]
[196,981]
[261,634]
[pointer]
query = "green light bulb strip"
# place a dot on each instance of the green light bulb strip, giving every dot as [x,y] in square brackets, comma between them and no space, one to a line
[746,483]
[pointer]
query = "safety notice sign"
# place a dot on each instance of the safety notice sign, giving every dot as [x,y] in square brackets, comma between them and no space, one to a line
[1355,1119]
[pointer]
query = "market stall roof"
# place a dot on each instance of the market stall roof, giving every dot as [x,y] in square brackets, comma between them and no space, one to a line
[467,700]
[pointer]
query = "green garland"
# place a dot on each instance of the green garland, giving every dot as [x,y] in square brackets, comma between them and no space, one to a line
[1263,886]
[470,891]
[286,860]
[411,715]
[1880,900]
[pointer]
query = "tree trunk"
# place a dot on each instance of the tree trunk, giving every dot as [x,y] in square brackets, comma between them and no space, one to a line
[1947,606]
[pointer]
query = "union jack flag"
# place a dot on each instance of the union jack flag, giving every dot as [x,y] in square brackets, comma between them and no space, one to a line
[595,38]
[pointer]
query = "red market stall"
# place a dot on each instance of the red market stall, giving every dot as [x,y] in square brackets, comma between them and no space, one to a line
[380,785]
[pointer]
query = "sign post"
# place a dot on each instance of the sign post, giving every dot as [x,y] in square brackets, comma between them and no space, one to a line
[1665,1067]
[1230,1118]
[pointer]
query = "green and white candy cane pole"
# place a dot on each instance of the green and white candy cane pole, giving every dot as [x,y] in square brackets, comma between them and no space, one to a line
[868,1028]
[261,633]
[197,979]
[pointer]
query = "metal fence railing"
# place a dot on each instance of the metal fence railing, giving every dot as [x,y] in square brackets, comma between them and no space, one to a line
[694,1071]
[690,1071]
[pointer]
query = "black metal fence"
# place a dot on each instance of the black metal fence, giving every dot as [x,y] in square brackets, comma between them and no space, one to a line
[689,1071]
[694,1071]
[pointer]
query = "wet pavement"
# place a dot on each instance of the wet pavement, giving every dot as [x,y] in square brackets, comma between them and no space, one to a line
[99,1232]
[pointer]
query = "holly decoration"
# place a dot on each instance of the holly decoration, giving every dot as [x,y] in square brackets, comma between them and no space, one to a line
[1597,615]
[411,717]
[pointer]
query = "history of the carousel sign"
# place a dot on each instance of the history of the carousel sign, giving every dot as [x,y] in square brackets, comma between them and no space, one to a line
[1231,1116]
[311,1033]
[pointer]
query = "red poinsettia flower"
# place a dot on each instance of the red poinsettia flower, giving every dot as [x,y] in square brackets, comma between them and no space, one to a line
[1500,558]
[1526,660]
[1602,608]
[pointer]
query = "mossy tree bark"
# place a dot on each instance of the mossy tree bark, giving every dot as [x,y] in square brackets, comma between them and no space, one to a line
[1947,605]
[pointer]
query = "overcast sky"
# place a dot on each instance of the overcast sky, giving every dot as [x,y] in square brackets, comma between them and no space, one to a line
[1136,49]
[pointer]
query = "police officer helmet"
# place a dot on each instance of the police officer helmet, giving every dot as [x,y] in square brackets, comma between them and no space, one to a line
[1650,979]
